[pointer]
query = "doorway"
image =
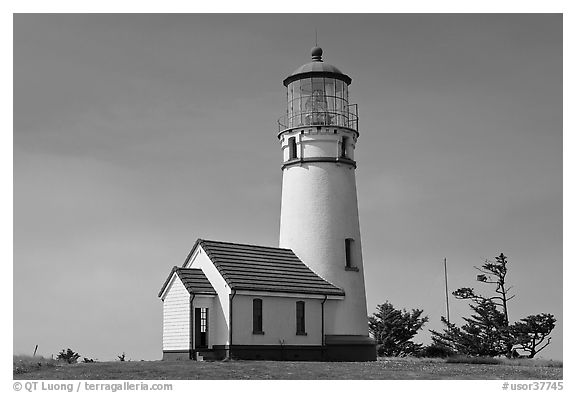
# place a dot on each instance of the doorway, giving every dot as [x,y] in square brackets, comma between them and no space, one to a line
[201,328]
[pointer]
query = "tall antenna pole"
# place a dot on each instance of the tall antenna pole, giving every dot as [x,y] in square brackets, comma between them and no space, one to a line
[446,287]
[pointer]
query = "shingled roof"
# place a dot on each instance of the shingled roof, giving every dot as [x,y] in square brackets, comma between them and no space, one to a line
[193,279]
[270,269]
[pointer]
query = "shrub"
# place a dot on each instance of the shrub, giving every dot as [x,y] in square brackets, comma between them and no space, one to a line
[473,359]
[393,330]
[69,356]
[526,362]
[435,350]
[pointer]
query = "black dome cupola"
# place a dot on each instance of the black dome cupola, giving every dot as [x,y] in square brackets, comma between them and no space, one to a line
[317,68]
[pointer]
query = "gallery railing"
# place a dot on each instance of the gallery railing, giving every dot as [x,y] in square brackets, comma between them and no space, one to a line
[347,118]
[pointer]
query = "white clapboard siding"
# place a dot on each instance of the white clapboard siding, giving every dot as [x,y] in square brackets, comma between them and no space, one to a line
[176,331]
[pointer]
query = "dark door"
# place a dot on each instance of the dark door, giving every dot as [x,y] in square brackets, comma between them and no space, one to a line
[201,327]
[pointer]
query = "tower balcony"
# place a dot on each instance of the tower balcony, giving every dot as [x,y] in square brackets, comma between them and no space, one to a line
[347,118]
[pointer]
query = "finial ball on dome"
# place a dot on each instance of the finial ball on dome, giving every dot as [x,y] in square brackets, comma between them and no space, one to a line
[316,53]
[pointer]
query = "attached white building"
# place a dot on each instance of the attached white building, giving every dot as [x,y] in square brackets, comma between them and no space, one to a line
[305,300]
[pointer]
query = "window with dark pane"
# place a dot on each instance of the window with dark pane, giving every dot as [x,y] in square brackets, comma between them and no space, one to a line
[300,318]
[291,148]
[257,315]
[344,147]
[348,244]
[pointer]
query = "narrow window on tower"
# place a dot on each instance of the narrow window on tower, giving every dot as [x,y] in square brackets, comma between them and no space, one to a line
[257,316]
[349,244]
[300,318]
[292,148]
[344,147]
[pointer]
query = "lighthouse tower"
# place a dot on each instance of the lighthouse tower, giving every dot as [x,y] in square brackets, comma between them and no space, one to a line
[319,215]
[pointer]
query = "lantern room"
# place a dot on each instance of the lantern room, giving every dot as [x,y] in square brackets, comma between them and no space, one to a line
[317,95]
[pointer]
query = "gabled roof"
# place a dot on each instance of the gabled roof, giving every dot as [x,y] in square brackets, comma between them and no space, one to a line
[258,268]
[193,279]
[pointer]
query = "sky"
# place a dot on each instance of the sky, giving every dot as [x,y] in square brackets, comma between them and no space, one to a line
[134,135]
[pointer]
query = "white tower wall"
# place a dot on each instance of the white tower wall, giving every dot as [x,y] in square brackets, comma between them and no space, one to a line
[319,211]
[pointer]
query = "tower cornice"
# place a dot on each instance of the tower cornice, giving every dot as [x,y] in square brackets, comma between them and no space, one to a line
[318,74]
[336,160]
[310,129]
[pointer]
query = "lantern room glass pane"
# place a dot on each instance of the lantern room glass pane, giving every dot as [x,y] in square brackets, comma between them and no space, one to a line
[316,102]
[329,87]
[295,88]
[305,87]
[297,120]
[340,104]
[317,85]
[331,100]
[339,88]
[296,105]
[295,112]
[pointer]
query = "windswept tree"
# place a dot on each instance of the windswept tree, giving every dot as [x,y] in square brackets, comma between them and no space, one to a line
[491,273]
[484,333]
[488,331]
[394,330]
[529,334]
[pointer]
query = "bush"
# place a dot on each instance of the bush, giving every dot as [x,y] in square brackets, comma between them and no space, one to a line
[473,359]
[69,356]
[525,362]
[435,351]
[393,330]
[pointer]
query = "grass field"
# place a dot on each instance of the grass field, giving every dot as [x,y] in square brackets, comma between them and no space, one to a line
[386,368]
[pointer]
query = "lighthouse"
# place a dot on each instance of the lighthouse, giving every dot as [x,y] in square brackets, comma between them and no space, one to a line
[303,300]
[319,211]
